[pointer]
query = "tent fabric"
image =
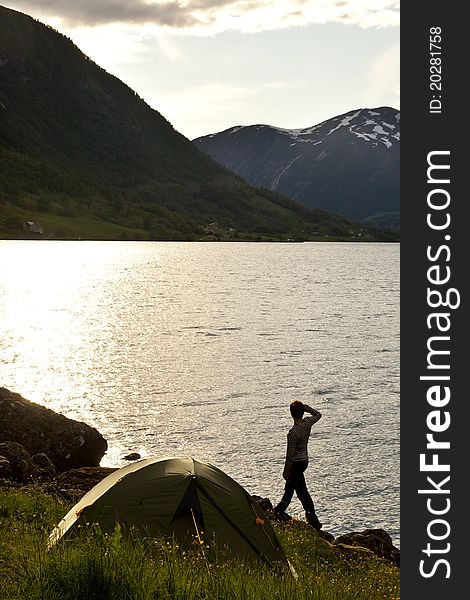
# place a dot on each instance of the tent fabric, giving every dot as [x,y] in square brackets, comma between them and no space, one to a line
[183,498]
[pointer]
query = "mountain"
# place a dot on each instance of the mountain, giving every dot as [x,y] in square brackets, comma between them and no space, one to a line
[82,155]
[349,164]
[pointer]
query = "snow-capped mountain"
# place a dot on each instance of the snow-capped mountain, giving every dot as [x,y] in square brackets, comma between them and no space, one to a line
[348,164]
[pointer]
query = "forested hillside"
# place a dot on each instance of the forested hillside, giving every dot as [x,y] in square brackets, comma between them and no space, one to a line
[83,155]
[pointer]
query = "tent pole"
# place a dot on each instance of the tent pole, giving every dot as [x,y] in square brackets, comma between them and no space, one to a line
[201,543]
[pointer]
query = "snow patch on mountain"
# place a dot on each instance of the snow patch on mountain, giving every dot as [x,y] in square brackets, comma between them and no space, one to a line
[299,135]
[347,119]
[234,129]
[361,123]
[380,129]
[353,172]
[276,180]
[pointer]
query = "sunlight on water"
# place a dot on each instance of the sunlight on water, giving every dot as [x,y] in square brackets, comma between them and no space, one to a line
[174,348]
[44,288]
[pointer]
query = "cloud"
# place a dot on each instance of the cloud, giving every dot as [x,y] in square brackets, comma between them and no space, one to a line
[212,104]
[208,17]
[171,50]
[125,44]
[384,76]
[92,12]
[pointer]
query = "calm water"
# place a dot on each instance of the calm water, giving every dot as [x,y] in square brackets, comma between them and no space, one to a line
[198,349]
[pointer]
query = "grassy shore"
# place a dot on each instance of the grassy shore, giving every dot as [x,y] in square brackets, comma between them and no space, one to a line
[95,566]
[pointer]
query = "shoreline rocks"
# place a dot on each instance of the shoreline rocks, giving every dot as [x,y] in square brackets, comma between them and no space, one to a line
[21,466]
[39,446]
[72,485]
[377,541]
[40,431]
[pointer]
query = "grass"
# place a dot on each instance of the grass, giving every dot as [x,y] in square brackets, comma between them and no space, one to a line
[57,226]
[96,566]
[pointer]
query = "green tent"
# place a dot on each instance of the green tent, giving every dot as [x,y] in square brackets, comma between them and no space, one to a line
[181,498]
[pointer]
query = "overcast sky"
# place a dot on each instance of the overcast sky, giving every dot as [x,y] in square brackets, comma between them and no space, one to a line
[207,65]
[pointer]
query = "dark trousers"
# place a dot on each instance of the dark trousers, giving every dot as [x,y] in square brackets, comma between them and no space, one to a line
[296,483]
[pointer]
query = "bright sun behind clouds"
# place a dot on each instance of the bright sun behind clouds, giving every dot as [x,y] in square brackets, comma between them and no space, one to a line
[208,65]
[215,16]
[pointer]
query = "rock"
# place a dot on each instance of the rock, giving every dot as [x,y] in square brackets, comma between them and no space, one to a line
[82,479]
[26,471]
[326,535]
[14,453]
[367,542]
[352,552]
[21,467]
[265,503]
[132,456]
[68,443]
[282,517]
[5,467]
[72,485]
[376,540]
[44,464]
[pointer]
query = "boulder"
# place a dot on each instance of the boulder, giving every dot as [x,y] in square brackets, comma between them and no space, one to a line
[67,443]
[21,467]
[327,536]
[265,503]
[84,478]
[367,542]
[72,485]
[132,456]
[44,464]
[5,467]
[376,540]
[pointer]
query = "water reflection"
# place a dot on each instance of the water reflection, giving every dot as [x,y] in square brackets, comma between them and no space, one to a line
[173,348]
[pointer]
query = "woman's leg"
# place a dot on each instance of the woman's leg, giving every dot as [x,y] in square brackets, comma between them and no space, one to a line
[289,489]
[305,498]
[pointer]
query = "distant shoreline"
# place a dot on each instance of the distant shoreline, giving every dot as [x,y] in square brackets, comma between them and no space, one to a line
[228,241]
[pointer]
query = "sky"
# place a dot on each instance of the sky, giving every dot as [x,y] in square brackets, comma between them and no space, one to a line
[207,65]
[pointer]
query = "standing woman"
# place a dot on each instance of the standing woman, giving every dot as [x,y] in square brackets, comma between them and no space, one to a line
[297,462]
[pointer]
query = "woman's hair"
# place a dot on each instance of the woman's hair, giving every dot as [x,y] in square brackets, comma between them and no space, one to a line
[297,409]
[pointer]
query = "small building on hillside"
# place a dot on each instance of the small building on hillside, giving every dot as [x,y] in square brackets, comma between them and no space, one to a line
[33,227]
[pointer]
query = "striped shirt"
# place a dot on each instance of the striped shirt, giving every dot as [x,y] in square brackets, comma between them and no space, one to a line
[297,439]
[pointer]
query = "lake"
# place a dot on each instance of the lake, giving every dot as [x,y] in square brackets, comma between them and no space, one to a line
[197,349]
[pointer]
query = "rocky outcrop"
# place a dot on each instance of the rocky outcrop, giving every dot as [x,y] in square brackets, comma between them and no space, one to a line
[66,443]
[327,536]
[5,467]
[83,479]
[74,484]
[16,462]
[376,540]
[369,541]
[265,504]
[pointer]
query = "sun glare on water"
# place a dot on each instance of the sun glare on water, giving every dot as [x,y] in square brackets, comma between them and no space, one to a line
[48,285]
